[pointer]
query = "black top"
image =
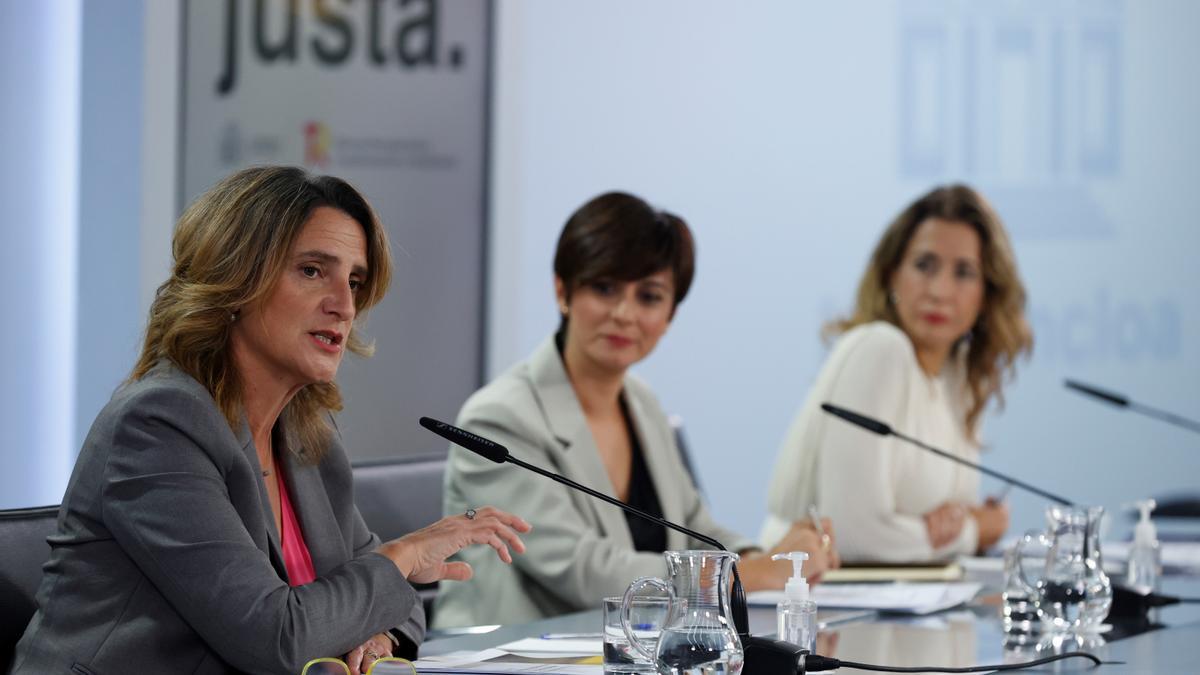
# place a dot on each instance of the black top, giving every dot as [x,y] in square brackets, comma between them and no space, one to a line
[647,535]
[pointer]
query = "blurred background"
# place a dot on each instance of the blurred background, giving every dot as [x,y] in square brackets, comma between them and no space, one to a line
[787,134]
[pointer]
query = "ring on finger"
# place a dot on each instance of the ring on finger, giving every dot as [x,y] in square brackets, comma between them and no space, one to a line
[826,542]
[372,655]
[470,514]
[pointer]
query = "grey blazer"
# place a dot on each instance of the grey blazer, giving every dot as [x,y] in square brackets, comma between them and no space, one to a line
[580,549]
[165,560]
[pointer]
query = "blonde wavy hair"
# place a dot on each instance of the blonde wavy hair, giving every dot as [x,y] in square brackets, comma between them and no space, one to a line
[1001,332]
[230,248]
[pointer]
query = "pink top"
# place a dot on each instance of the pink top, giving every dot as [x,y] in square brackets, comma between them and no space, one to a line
[295,552]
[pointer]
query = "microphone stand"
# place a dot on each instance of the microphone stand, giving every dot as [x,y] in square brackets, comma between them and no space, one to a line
[762,655]
[1124,402]
[883,429]
[741,616]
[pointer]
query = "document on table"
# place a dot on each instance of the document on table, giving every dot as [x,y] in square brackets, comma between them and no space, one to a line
[1177,557]
[536,655]
[900,597]
[538,648]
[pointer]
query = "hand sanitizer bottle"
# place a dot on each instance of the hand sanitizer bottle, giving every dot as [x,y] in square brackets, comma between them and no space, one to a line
[797,614]
[1145,556]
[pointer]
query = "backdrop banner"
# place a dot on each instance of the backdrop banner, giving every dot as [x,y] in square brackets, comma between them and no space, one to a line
[392,97]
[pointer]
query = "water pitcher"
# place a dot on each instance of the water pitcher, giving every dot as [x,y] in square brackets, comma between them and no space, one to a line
[698,636]
[1073,593]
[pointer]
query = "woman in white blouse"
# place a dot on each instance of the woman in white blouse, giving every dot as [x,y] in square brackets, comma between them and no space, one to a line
[938,323]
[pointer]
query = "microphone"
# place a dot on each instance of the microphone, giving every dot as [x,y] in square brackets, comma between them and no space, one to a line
[477,444]
[762,655]
[1124,402]
[875,426]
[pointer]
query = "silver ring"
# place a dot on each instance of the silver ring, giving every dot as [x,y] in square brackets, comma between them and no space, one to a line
[372,655]
[470,514]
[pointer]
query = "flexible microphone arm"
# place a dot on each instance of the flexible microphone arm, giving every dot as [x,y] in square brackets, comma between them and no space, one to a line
[499,454]
[1124,402]
[882,428]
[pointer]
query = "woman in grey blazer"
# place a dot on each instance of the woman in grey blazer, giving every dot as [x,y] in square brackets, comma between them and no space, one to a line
[209,525]
[621,270]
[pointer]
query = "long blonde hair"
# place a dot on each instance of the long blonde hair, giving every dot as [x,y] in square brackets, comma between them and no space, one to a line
[230,248]
[1001,332]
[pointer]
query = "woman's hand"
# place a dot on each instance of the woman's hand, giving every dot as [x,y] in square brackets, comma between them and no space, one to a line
[421,555]
[992,518]
[759,572]
[944,523]
[361,658]
[820,544]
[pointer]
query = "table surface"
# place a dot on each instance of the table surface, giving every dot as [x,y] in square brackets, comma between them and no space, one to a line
[961,637]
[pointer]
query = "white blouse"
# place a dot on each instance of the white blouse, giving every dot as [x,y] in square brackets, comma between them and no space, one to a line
[874,488]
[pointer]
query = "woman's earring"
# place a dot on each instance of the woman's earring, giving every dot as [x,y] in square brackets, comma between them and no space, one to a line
[233,316]
[892,300]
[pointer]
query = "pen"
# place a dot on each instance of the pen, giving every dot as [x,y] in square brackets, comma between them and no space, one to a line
[815,515]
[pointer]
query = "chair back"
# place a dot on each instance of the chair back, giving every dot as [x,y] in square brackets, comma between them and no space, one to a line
[685,452]
[23,552]
[398,496]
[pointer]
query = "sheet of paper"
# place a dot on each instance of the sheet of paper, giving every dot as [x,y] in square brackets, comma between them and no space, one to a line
[1176,556]
[535,648]
[494,668]
[907,598]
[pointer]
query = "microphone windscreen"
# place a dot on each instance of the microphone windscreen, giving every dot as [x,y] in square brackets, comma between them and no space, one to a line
[476,444]
[1115,399]
[863,421]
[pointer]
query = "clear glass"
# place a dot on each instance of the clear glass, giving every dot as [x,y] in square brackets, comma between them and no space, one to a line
[646,616]
[1073,593]
[1020,615]
[698,637]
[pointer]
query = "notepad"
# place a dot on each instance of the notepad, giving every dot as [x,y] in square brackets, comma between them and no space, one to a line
[867,573]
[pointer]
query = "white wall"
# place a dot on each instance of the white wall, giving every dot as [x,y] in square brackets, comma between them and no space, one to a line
[788,134]
[39,187]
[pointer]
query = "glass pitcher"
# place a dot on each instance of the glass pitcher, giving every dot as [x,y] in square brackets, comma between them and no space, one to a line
[698,637]
[1073,593]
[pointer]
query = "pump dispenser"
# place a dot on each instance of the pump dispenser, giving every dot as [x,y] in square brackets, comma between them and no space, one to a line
[1145,556]
[796,613]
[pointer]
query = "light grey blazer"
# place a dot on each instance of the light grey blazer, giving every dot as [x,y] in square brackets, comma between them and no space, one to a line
[580,549]
[165,559]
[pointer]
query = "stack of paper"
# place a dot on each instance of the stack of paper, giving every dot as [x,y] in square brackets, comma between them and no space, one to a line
[897,597]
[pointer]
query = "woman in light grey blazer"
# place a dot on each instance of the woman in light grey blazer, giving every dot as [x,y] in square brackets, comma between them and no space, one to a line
[621,269]
[209,525]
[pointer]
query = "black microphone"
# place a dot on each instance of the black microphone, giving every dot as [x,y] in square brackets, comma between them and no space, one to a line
[875,426]
[762,655]
[1124,402]
[477,444]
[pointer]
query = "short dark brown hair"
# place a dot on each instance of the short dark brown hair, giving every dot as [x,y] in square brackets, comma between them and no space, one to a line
[619,237]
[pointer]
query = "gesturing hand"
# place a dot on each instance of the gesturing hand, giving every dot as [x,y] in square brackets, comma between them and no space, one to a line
[421,555]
